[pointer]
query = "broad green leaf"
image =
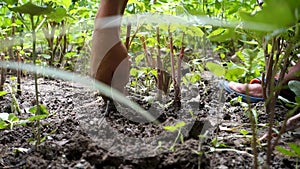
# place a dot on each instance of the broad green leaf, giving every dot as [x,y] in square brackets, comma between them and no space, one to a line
[134,72]
[216,32]
[244,132]
[71,54]
[170,128]
[10,2]
[252,42]
[180,10]
[294,85]
[196,31]
[180,124]
[38,117]
[222,145]
[234,74]
[285,15]
[295,148]
[193,77]
[3,124]
[64,3]
[139,58]
[221,35]
[297,99]
[12,118]
[2,93]
[214,142]
[58,15]
[43,109]
[13,78]
[216,69]
[31,9]
[285,151]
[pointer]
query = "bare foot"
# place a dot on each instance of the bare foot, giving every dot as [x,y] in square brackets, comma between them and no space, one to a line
[253,89]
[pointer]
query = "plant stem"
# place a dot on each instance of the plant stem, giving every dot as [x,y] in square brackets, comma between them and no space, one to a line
[253,142]
[34,57]
[180,60]
[175,83]
[127,42]
[270,102]
[159,66]
[3,73]
[253,122]
[148,58]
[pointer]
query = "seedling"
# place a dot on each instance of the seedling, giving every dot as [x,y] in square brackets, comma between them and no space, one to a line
[293,151]
[177,127]
[8,120]
[244,132]
[215,143]
[15,107]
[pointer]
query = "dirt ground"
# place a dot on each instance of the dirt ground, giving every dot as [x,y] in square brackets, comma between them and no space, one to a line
[79,134]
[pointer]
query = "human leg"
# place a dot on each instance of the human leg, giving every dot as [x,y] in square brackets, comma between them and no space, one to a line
[109,55]
[255,89]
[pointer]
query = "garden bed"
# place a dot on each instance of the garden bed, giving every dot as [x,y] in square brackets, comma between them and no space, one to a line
[79,135]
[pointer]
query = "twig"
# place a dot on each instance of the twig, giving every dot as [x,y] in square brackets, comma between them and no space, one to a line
[159,65]
[148,58]
[270,102]
[175,83]
[180,60]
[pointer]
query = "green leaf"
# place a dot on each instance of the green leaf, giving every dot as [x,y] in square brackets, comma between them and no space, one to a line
[2,93]
[244,132]
[58,15]
[285,151]
[252,42]
[3,124]
[286,11]
[12,118]
[222,145]
[43,110]
[10,2]
[37,117]
[64,3]
[295,148]
[31,9]
[216,32]
[139,58]
[294,85]
[180,124]
[216,69]
[134,72]
[170,128]
[197,31]
[13,78]
[214,142]
[234,74]
[255,115]
[221,35]
[193,77]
